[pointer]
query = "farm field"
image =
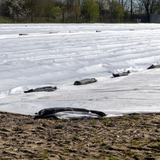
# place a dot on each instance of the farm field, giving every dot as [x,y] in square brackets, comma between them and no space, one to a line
[57,55]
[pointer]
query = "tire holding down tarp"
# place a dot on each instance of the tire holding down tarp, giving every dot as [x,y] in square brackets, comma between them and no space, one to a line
[121,74]
[48,112]
[85,81]
[153,66]
[42,89]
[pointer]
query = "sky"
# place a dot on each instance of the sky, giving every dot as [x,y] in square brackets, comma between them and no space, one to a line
[60,54]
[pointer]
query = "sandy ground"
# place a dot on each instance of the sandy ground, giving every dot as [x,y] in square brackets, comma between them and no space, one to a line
[135,136]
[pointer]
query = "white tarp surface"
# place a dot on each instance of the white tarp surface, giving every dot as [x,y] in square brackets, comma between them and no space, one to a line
[74,52]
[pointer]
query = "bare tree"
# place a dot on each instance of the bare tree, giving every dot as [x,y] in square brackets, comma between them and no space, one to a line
[12,8]
[149,7]
[17,7]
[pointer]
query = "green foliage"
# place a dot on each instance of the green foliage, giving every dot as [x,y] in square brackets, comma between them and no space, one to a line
[127,16]
[53,11]
[116,11]
[41,10]
[90,10]
[36,6]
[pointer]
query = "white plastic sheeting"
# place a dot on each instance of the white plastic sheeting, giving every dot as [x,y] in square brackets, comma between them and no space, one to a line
[74,52]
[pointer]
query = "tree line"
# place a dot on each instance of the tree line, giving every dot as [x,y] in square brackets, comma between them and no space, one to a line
[78,10]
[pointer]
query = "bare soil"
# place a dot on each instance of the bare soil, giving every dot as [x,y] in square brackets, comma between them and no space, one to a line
[135,136]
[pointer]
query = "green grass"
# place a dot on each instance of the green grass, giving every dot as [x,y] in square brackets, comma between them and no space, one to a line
[135,118]
[44,156]
[114,158]
[134,143]
[97,140]
[133,114]
[125,117]
[155,140]
[3,158]
[101,118]
[92,122]
[66,151]
[130,152]
[105,121]
[109,155]
[154,146]
[60,120]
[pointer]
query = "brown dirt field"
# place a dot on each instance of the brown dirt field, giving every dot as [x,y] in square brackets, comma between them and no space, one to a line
[135,136]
